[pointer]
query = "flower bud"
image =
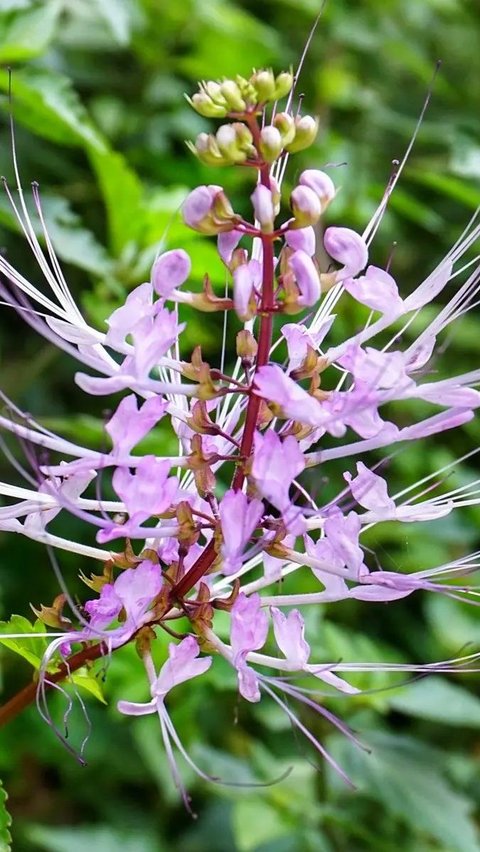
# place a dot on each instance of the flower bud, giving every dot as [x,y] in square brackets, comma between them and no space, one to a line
[270,145]
[233,97]
[204,105]
[208,210]
[247,347]
[207,150]
[276,196]
[264,84]
[305,207]
[214,92]
[285,124]
[306,129]
[243,298]
[170,271]
[321,183]
[263,207]
[283,84]
[227,141]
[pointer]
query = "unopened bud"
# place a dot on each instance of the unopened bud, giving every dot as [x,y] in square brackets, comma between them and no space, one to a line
[276,196]
[208,210]
[283,84]
[270,145]
[305,206]
[227,141]
[243,293]
[233,96]
[285,124]
[263,207]
[264,84]
[207,150]
[204,105]
[321,184]
[306,129]
[247,347]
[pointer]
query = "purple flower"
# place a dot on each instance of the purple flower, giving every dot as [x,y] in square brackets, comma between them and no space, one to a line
[348,248]
[239,518]
[249,628]
[276,463]
[133,592]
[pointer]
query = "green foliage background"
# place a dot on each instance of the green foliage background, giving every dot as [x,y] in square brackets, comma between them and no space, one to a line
[100,123]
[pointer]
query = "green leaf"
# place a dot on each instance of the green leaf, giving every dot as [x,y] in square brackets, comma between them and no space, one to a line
[122,194]
[116,14]
[30,648]
[101,838]
[85,679]
[5,822]
[48,105]
[25,33]
[439,700]
[256,821]
[406,777]
[71,242]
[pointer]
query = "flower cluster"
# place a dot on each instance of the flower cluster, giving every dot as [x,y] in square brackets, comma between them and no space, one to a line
[185,536]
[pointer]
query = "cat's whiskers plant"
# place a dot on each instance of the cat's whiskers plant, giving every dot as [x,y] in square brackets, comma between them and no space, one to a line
[181,540]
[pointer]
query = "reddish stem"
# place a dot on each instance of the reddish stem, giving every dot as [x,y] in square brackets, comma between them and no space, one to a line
[206,559]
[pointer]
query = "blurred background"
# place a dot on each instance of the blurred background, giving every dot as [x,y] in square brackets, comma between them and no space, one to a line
[100,123]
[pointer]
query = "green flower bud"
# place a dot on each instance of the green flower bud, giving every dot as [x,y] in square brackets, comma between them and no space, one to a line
[270,144]
[306,129]
[228,144]
[283,84]
[204,105]
[235,142]
[207,150]
[264,84]
[285,124]
[233,96]
[214,92]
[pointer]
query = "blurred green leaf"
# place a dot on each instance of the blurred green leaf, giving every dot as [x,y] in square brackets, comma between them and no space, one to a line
[439,700]
[122,194]
[48,105]
[97,838]
[255,822]
[404,777]
[117,14]
[25,33]
[5,822]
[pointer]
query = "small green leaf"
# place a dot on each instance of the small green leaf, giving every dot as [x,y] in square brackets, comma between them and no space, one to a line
[30,648]
[5,822]
[86,680]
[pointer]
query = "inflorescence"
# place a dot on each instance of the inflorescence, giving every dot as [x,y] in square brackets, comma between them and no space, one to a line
[217,526]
